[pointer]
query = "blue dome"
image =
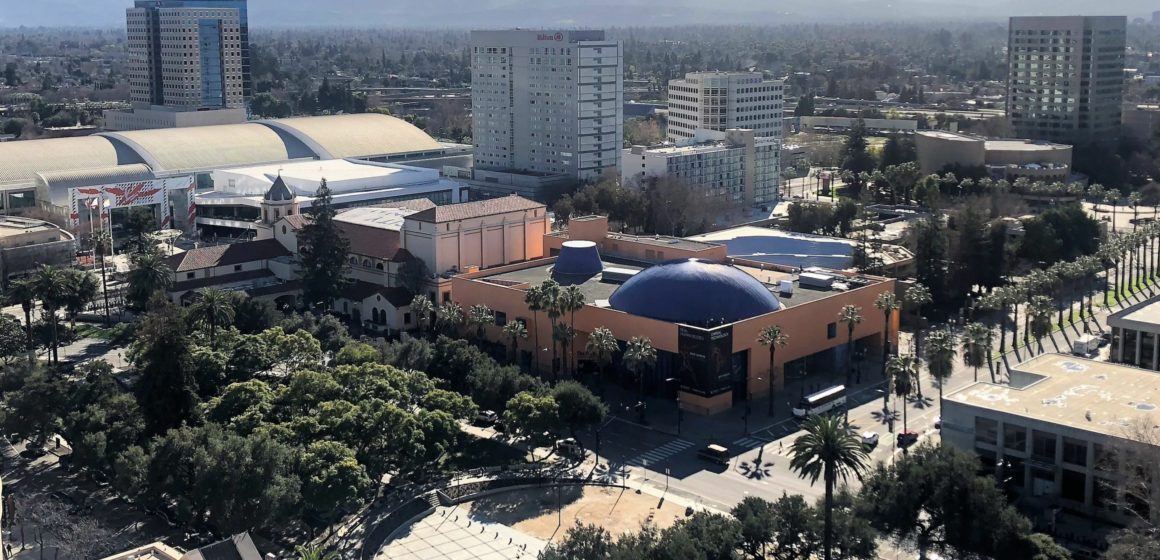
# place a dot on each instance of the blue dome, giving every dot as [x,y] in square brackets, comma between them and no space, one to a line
[578,258]
[695,292]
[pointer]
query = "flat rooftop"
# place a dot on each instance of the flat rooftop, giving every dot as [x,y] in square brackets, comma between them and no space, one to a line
[944,135]
[1024,146]
[14,225]
[1144,316]
[595,288]
[1083,394]
[775,246]
[381,218]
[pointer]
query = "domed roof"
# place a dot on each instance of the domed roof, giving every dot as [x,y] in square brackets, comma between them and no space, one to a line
[278,192]
[695,292]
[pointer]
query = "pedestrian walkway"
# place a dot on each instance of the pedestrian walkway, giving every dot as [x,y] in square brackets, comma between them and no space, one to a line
[451,534]
[659,454]
[750,441]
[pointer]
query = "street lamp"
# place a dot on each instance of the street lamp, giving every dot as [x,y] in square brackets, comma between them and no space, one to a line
[680,413]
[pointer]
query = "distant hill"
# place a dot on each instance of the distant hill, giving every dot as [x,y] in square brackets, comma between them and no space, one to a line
[603,13]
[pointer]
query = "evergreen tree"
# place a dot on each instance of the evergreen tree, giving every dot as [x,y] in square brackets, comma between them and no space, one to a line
[930,256]
[323,251]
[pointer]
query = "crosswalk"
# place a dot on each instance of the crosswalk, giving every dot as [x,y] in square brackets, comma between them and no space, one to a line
[749,442]
[660,453]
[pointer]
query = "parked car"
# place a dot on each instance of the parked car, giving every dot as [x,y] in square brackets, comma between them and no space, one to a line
[716,453]
[486,418]
[569,447]
[33,451]
[907,438]
[869,439]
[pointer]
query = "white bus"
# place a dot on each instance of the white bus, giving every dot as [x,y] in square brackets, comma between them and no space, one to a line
[821,402]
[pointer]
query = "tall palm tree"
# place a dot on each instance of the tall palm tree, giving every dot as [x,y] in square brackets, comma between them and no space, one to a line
[534,298]
[80,290]
[422,308]
[851,315]
[1113,199]
[102,242]
[772,337]
[1134,199]
[563,334]
[24,293]
[887,303]
[601,345]
[515,330]
[51,287]
[639,355]
[572,299]
[479,316]
[1039,310]
[215,307]
[149,275]
[916,298]
[903,377]
[828,450]
[940,358]
[449,317]
[552,302]
[976,348]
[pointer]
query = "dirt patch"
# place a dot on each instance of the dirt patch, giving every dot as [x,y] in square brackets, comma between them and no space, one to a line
[534,512]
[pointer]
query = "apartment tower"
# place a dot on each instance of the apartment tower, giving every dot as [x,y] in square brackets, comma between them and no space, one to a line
[1065,80]
[547,102]
[721,101]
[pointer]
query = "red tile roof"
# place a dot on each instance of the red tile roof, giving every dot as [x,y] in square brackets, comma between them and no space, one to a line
[297,221]
[225,255]
[476,209]
[370,241]
[360,290]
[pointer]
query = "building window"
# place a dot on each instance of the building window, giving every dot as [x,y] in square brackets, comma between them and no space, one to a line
[986,431]
[500,318]
[832,330]
[1043,446]
[237,268]
[406,318]
[1014,437]
[190,275]
[1073,485]
[1075,451]
[446,297]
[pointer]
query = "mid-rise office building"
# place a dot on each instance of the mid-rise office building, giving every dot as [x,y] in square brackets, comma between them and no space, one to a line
[724,100]
[1065,78]
[547,102]
[188,64]
[735,165]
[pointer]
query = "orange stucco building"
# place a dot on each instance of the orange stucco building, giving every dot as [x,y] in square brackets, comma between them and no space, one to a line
[702,311]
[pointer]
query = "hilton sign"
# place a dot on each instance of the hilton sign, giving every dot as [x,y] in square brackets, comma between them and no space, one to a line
[550,37]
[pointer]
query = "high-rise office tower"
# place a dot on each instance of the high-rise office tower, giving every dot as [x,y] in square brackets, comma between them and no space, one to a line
[189,54]
[547,102]
[721,101]
[1065,80]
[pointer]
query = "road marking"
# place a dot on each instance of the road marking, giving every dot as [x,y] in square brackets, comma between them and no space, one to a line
[750,442]
[660,453]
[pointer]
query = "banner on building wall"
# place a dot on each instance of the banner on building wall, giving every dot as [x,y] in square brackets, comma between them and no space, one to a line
[127,195]
[705,359]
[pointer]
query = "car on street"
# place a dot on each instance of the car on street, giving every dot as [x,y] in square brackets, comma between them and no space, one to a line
[486,418]
[569,447]
[716,453]
[870,439]
[907,438]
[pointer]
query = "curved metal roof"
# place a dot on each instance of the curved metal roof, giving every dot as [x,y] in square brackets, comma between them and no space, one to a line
[356,136]
[696,292]
[202,148]
[54,185]
[21,160]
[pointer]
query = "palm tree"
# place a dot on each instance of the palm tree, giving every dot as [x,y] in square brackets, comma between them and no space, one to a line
[421,309]
[940,358]
[1113,195]
[772,337]
[1040,312]
[563,334]
[23,292]
[215,307]
[551,294]
[479,316]
[312,552]
[887,303]
[449,317]
[828,450]
[102,242]
[639,355]
[51,287]
[1096,193]
[571,301]
[1134,199]
[976,348]
[149,275]
[902,373]
[534,298]
[916,297]
[601,345]
[852,316]
[515,330]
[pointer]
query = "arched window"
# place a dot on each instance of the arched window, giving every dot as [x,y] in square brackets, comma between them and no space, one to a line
[374,315]
[367,263]
[379,266]
[283,230]
[353,261]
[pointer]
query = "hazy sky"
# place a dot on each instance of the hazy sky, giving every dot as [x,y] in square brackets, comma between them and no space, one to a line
[571,13]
